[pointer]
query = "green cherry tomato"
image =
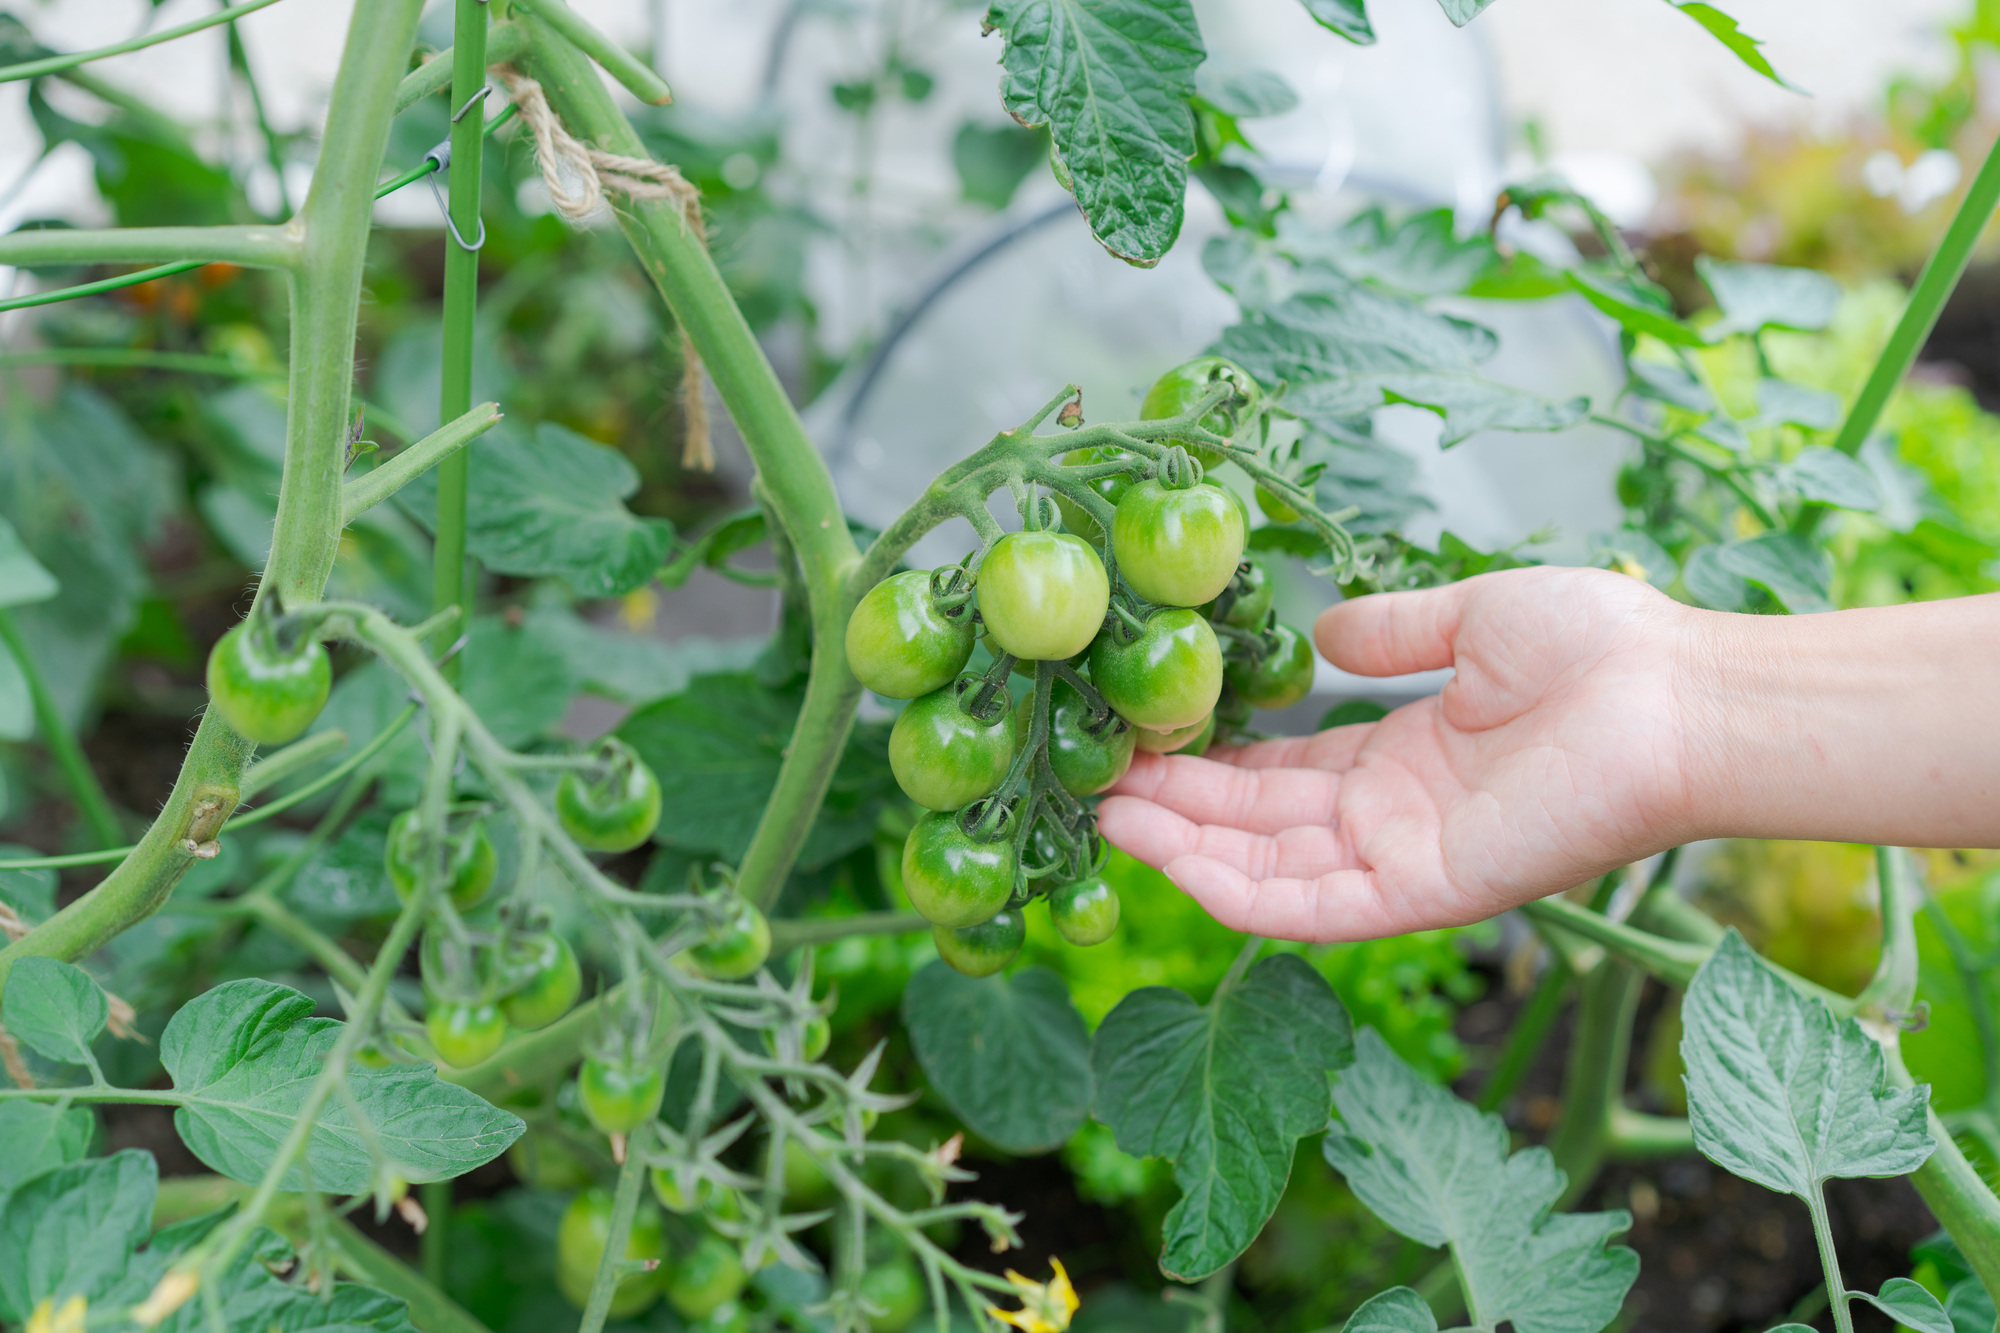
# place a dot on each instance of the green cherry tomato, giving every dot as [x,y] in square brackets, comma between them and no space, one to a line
[465,1034]
[668,1191]
[897,1290]
[469,860]
[900,644]
[1183,386]
[1253,596]
[818,1035]
[580,1240]
[706,1278]
[553,981]
[1168,677]
[542,1162]
[806,1183]
[266,695]
[729,1317]
[619,1095]
[982,950]
[1177,548]
[1083,764]
[616,811]
[1112,488]
[736,946]
[1043,595]
[1283,677]
[1173,742]
[943,758]
[953,881]
[1275,509]
[1085,912]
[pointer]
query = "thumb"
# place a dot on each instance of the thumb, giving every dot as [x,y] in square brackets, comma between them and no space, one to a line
[1392,633]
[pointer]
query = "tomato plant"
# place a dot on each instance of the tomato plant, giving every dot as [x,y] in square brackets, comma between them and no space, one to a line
[397,755]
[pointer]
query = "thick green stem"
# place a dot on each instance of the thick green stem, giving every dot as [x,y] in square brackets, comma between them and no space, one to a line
[1594,1087]
[1836,1290]
[1892,992]
[619,63]
[1530,1032]
[1638,1137]
[77,774]
[792,932]
[449,583]
[1940,275]
[326,297]
[440,448]
[624,1202]
[505,41]
[261,246]
[788,467]
[437,1233]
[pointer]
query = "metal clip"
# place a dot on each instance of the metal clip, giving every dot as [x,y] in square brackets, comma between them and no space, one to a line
[440,160]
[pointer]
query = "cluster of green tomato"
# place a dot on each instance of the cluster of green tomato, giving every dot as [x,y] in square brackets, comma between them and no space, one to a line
[1143,667]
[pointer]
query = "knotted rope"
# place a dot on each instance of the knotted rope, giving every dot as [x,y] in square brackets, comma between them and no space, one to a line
[578,177]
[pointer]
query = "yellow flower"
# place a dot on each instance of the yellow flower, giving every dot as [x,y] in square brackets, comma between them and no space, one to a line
[1046,1307]
[47,1319]
[1625,564]
[169,1295]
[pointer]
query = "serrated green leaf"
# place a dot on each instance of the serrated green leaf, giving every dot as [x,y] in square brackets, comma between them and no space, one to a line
[1345,349]
[636,669]
[1832,477]
[1909,1305]
[1462,12]
[1009,1054]
[553,507]
[1637,309]
[22,578]
[1761,296]
[1790,568]
[1111,79]
[55,1008]
[1782,1094]
[717,746]
[1224,1091]
[1422,255]
[35,1136]
[1248,94]
[1349,18]
[1438,1171]
[1671,384]
[1397,1310]
[245,1053]
[518,678]
[1970,1308]
[256,1298]
[1783,401]
[1713,586]
[1741,44]
[71,1231]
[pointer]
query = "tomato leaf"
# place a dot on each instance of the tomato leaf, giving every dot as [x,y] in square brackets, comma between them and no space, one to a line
[552,507]
[1111,79]
[1225,1091]
[1741,44]
[1790,568]
[55,1008]
[35,1136]
[1349,18]
[1397,1310]
[22,578]
[1639,307]
[71,1231]
[1781,401]
[1766,296]
[1783,1094]
[1832,477]
[1009,1054]
[1909,1305]
[1438,1171]
[1462,12]
[245,1053]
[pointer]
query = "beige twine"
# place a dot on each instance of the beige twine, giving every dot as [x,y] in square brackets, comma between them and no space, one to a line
[578,177]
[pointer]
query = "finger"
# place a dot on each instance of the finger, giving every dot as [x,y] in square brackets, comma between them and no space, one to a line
[1391,633]
[1339,905]
[1256,800]
[1333,750]
[1157,835]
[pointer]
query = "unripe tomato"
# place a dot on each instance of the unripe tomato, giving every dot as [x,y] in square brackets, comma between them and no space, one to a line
[616,811]
[942,757]
[1043,595]
[807,1184]
[470,862]
[1282,678]
[897,1290]
[900,645]
[1083,764]
[982,950]
[542,1161]
[580,1242]
[1253,596]
[738,945]
[707,1277]
[729,1317]
[553,981]
[668,1191]
[818,1035]
[953,881]
[1183,386]
[1274,508]
[1168,677]
[1075,518]
[1177,548]
[1173,742]
[619,1095]
[465,1033]
[266,695]
[1085,912]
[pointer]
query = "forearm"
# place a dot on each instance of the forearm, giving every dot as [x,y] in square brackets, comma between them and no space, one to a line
[1873,725]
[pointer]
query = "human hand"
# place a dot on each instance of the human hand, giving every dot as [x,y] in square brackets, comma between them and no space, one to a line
[1554,755]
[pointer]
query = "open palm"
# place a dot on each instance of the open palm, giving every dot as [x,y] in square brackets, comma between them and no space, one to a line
[1552,756]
